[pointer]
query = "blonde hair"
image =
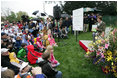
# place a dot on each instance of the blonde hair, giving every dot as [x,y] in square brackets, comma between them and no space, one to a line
[46,56]
[49,47]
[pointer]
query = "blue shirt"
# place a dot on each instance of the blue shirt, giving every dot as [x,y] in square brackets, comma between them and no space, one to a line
[40,26]
[39,76]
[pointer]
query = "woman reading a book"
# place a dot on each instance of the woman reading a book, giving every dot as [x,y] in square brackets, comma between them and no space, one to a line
[100,28]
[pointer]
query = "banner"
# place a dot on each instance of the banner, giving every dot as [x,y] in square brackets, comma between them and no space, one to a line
[78,19]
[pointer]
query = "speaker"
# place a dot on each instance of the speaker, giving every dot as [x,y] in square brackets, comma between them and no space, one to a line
[56,12]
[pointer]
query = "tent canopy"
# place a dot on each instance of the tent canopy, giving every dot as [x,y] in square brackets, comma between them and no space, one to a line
[87,9]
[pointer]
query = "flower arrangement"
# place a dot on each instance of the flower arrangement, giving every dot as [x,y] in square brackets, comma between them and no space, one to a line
[104,51]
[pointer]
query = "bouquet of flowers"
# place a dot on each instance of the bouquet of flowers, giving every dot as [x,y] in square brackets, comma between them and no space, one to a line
[104,51]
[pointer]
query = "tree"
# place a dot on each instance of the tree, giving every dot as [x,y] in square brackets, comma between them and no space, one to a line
[5,12]
[107,7]
[19,14]
[11,17]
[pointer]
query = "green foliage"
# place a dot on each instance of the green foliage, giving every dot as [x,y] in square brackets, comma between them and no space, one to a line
[11,17]
[19,14]
[110,20]
[2,18]
[107,7]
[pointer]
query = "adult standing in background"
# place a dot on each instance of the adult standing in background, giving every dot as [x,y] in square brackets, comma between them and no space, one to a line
[86,21]
[92,20]
[67,24]
[41,25]
[100,27]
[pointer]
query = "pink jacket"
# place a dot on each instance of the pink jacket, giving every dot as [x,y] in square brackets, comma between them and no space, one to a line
[53,60]
[52,41]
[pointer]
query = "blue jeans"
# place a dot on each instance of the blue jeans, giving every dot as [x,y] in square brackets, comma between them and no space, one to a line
[67,29]
[59,74]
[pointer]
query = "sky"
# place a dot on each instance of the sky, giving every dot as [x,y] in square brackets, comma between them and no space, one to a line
[28,6]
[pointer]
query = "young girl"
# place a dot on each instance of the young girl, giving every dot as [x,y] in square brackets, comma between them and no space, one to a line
[33,56]
[53,61]
[14,60]
[51,39]
[39,44]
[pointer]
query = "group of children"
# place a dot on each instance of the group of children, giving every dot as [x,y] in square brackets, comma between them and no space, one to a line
[20,46]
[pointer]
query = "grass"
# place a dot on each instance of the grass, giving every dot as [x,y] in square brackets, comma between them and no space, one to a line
[73,64]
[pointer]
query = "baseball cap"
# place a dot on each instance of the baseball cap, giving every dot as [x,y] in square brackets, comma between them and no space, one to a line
[4,50]
[24,64]
[3,33]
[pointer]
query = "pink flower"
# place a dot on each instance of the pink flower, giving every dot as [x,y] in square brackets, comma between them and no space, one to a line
[103,41]
[102,55]
[106,46]
[98,53]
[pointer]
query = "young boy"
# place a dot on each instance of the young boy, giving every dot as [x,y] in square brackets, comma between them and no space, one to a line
[47,69]
[64,33]
[22,52]
[18,43]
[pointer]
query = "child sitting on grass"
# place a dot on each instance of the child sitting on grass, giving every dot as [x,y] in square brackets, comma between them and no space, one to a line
[22,54]
[52,59]
[14,60]
[51,39]
[47,68]
[39,44]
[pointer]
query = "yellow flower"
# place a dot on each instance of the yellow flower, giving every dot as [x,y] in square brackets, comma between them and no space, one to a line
[109,53]
[113,68]
[96,37]
[90,45]
[109,58]
[96,42]
[107,67]
[111,63]
[87,52]
[93,43]
[99,41]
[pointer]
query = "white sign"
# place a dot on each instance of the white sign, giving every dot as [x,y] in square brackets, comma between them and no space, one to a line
[78,19]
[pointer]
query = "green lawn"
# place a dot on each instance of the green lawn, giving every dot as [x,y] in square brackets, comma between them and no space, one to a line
[73,64]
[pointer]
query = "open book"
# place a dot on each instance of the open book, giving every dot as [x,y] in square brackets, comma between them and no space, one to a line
[94,28]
